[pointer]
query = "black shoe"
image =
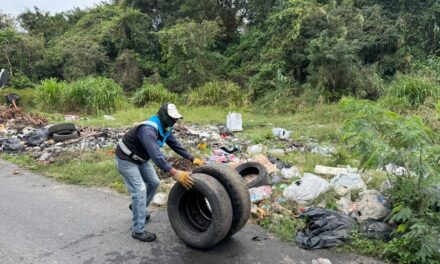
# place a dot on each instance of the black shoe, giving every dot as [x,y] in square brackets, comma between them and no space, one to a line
[146,218]
[144,237]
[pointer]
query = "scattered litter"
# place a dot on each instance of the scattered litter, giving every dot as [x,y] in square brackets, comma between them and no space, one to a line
[371,206]
[109,117]
[322,150]
[396,170]
[160,199]
[257,238]
[275,179]
[202,146]
[230,149]
[277,152]
[376,230]
[260,193]
[346,205]
[321,261]
[36,138]
[271,169]
[289,173]
[71,117]
[15,172]
[224,131]
[278,163]
[221,156]
[281,133]
[256,149]
[234,122]
[350,181]
[12,144]
[309,187]
[17,118]
[324,228]
[325,170]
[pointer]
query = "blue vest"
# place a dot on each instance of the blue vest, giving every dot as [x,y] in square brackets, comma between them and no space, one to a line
[154,122]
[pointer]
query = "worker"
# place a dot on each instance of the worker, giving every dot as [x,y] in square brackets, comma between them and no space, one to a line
[135,149]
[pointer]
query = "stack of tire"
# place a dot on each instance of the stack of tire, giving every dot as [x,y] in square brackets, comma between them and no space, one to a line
[217,206]
[63,132]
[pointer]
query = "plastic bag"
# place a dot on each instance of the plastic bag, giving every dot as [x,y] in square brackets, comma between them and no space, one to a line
[281,133]
[309,187]
[260,193]
[12,144]
[234,122]
[351,181]
[371,206]
[36,138]
[325,228]
[376,230]
[289,173]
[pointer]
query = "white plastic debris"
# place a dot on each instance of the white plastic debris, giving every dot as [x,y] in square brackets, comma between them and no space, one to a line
[396,170]
[351,181]
[289,173]
[371,206]
[256,149]
[321,261]
[109,117]
[346,205]
[234,122]
[309,187]
[160,199]
[320,169]
[277,152]
[281,133]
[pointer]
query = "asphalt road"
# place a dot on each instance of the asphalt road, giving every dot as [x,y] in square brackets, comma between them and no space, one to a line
[43,221]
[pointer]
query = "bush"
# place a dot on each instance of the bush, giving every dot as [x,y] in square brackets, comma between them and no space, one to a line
[50,94]
[20,81]
[412,91]
[93,95]
[223,93]
[153,93]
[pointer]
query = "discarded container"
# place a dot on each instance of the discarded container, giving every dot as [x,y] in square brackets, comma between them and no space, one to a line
[281,133]
[309,187]
[234,122]
[325,228]
[289,173]
[350,181]
[260,193]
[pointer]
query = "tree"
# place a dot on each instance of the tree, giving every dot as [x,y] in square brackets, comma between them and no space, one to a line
[187,53]
[9,39]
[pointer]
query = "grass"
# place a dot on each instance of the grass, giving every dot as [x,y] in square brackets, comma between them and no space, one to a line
[283,226]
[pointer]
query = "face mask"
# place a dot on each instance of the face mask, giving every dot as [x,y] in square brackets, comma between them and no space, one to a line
[166,121]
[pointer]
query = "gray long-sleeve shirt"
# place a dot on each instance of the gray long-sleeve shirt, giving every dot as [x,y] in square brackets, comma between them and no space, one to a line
[148,136]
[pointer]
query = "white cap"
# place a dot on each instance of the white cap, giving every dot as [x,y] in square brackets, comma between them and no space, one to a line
[172,112]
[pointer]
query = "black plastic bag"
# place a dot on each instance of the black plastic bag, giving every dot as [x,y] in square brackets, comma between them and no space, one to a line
[36,138]
[374,229]
[325,228]
[12,144]
[12,97]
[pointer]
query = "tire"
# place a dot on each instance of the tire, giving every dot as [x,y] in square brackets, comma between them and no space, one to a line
[61,127]
[237,191]
[65,136]
[254,173]
[198,224]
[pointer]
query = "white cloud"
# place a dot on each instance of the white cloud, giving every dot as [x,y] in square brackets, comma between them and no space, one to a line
[15,7]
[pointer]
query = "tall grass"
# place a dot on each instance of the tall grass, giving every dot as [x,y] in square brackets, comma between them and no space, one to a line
[91,95]
[153,93]
[226,94]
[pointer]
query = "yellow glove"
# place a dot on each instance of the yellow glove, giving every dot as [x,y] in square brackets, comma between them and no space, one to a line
[198,162]
[183,178]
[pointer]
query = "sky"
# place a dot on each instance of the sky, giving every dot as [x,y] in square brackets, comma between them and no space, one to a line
[15,7]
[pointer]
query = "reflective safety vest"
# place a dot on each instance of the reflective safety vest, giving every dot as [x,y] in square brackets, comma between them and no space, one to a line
[154,122]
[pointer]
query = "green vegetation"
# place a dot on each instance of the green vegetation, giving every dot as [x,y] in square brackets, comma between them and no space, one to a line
[225,94]
[91,95]
[153,93]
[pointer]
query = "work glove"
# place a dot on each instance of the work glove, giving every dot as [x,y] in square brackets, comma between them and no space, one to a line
[198,162]
[183,178]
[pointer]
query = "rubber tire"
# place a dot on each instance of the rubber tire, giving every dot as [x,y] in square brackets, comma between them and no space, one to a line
[221,208]
[237,191]
[64,137]
[61,127]
[262,178]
